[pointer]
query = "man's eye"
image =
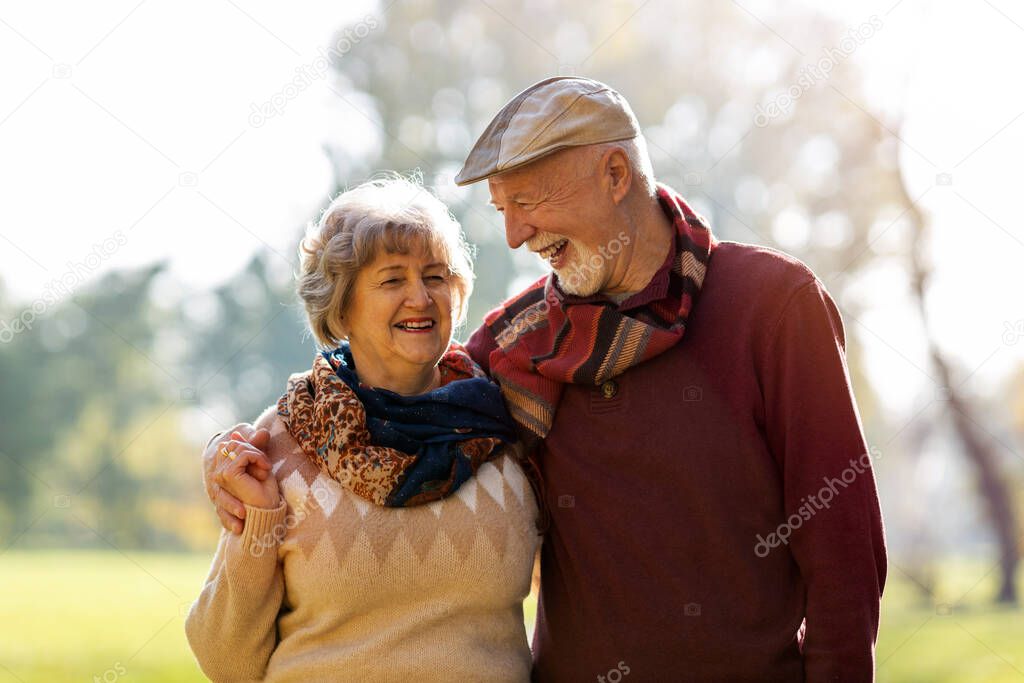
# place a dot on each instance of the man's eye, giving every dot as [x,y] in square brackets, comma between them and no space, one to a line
[526,207]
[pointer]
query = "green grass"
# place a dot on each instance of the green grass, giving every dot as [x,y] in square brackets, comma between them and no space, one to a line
[73,615]
[961,638]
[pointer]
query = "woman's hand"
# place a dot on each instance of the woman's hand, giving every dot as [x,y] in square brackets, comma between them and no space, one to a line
[230,510]
[242,471]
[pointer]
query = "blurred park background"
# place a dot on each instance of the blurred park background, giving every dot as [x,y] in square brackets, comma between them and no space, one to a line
[159,161]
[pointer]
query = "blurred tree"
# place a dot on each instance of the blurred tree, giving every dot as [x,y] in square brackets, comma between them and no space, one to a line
[102,379]
[994,489]
[72,387]
[242,352]
[23,436]
[1015,390]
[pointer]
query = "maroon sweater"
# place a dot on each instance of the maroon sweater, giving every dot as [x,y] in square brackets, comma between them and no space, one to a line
[670,493]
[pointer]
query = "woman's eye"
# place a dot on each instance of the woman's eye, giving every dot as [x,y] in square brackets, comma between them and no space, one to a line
[435,278]
[392,281]
[527,207]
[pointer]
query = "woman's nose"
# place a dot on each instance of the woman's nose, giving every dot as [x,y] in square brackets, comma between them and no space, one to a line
[417,295]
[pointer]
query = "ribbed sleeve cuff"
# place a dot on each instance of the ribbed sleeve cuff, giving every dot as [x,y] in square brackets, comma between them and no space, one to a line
[264,528]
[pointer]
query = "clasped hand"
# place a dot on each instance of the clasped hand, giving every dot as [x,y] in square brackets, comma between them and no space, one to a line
[237,473]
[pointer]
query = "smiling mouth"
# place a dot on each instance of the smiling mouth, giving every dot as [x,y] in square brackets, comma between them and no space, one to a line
[551,252]
[415,325]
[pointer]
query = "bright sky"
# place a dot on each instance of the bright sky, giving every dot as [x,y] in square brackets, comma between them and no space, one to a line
[131,122]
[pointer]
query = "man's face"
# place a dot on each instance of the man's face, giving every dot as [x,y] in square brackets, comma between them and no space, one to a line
[556,207]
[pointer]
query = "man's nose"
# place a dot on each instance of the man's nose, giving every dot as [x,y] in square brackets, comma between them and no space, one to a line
[517,230]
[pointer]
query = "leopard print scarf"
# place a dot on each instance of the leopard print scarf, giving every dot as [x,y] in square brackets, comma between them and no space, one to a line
[392,450]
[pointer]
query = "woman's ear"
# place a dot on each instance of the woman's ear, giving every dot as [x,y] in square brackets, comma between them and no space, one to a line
[342,329]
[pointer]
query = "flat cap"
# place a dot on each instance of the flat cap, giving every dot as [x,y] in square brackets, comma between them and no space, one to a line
[548,116]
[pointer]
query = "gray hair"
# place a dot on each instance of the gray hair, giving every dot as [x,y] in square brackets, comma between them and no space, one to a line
[639,160]
[392,213]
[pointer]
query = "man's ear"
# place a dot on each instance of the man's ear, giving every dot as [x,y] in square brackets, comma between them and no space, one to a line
[617,171]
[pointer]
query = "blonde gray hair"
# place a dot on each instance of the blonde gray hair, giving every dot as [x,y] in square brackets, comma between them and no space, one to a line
[393,213]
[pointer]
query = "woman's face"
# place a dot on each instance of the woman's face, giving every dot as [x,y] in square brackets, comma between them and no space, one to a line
[399,316]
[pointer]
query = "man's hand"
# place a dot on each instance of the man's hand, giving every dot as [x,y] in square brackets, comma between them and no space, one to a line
[245,438]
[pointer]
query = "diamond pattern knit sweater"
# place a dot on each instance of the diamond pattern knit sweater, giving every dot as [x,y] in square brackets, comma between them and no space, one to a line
[328,587]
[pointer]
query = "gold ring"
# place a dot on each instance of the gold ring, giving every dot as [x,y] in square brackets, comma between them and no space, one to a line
[230,454]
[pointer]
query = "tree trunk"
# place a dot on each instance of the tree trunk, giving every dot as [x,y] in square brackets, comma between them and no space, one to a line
[993,489]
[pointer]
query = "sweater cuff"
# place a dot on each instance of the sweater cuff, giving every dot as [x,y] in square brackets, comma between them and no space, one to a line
[264,528]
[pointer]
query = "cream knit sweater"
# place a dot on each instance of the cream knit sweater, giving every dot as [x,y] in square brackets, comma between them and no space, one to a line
[329,587]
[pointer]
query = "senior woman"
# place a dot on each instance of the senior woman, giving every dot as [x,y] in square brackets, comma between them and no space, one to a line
[390,532]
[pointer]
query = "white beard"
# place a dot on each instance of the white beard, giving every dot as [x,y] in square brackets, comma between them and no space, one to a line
[578,276]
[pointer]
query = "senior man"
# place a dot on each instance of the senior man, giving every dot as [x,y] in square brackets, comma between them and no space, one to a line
[713,513]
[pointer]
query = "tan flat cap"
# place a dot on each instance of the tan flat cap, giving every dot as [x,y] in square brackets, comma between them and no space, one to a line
[546,117]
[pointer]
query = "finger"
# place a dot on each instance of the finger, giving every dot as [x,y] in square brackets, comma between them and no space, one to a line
[260,439]
[244,456]
[211,461]
[229,521]
[235,446]
[236,471]
[243,429]
[257,473]
[226,502]
[237,443]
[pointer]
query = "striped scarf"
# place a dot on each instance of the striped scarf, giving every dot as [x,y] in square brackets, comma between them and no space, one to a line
[547,338]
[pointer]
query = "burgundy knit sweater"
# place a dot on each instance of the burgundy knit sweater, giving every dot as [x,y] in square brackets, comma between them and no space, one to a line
[671,489]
